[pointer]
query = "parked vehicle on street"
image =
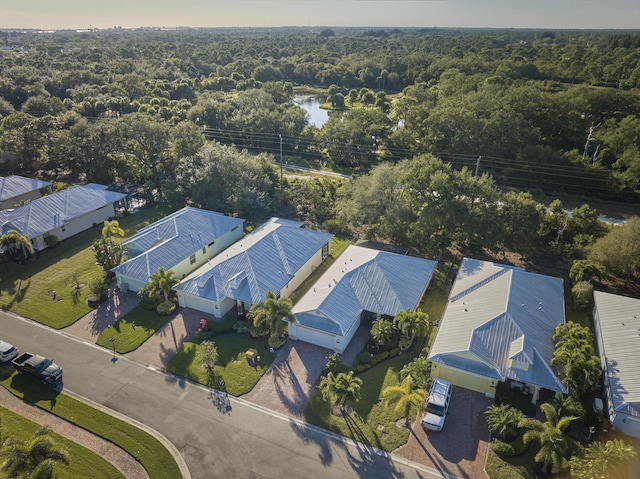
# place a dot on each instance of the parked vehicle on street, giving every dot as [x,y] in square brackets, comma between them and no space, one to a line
[7,352]
[437,405]
[38,366]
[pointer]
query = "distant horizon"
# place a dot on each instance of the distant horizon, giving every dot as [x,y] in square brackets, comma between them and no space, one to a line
[44,15]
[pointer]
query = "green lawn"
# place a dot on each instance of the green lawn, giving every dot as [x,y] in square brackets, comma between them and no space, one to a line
[127,337]
[26,289]
[238,373]
[519,467]
[146,449]
[83,462]
[371,422]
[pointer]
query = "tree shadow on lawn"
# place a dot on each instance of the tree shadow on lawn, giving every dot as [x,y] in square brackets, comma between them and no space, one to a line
[366,461]
[17,293]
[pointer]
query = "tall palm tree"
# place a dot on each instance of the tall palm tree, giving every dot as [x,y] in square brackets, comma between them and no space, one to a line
[603,460]
[33,459]
[412,323]
[162,281]
[404,397]
[555,443]
[342,389]
[503,421]
[274,312]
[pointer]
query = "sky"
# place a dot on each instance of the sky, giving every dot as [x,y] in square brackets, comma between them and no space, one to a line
[556,14]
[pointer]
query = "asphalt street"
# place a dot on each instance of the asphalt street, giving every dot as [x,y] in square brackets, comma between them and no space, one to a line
[218,436]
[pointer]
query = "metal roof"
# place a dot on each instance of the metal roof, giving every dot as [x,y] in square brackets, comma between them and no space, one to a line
[363,279]
[618,326]
[172,239]
[264,260]
[49,212]
[12,186]
[499,315]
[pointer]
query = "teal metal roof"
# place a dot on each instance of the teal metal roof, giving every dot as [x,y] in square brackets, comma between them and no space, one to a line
[169,241]
[499,322]
[12,186]
[49,212]
[264,260]
[363,279]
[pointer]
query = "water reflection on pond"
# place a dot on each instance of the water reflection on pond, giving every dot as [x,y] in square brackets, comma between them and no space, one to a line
[316,115]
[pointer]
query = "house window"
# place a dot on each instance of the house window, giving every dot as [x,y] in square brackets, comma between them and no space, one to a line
[204,250]
[192,258]
[325,251]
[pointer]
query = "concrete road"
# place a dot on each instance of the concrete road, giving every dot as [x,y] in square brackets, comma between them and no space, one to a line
[219,437]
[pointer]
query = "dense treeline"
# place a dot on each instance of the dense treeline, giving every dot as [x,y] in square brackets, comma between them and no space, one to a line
[550,110]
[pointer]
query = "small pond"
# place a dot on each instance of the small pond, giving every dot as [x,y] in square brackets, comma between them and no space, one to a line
[316,115]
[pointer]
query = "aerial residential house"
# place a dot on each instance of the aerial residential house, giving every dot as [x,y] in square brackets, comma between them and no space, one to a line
[497,327]
[362,283]
[181,242]
[617,330]
[15,190]
[62,214]
[278,256]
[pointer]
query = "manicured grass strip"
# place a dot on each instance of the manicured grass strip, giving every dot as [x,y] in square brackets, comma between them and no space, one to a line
[238,373]
[371,422]
[145,448]
[126,336]
[26,289]
[83,462]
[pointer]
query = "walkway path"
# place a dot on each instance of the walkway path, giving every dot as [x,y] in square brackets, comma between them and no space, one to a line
[120,459]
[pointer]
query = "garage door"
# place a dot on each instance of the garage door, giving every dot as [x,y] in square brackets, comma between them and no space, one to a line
[465,380]
[198,304]
[314,336]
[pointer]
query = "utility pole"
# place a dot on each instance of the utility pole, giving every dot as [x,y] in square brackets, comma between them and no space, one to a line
[477,166]
[281,173]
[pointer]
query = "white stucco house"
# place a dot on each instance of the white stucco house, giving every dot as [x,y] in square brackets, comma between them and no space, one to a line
[62,214]
[278,256]
[498,326]
[181,242]
[617,329]
[16,189]
[361,282]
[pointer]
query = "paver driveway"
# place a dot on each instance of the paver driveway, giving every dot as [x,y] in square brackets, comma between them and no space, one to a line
[460,449]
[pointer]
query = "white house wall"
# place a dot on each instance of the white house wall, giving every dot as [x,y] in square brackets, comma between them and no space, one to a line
[83,223]
[132,284]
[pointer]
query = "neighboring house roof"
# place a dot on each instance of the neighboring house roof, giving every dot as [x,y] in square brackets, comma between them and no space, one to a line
[12,186]
[363,279]
[264,260]
[51,211]
[499,322]
[172,239]
[619,332]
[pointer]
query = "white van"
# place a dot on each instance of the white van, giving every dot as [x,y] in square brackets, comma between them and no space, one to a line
[437,405]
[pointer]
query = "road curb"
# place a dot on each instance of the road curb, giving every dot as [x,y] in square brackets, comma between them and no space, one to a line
[173,450]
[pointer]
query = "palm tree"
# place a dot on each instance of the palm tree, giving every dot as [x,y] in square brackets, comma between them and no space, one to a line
[33,459]
[602,460]
[342,389]
[13,242]
[554,441]
[412,323]
[382,331]
[503,421]
[112,228]
[162,281]
[274,312]
[404,397]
